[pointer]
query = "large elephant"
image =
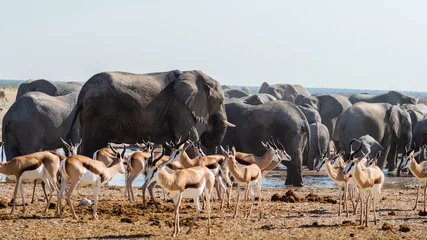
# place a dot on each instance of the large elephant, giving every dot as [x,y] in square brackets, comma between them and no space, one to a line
[366,145]
[311,114]
[125,107]
[48,87]
[330,107]
[287,92]
[387,124]
[392,97]
[235,93]
[279,119]
[319,144]
[36,122]
[259,98]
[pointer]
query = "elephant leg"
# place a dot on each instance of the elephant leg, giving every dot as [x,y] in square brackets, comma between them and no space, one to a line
[306,157]
[383,155]
[391,158]
[294,176]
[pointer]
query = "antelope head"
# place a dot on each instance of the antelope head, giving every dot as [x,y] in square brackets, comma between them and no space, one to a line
[72,149]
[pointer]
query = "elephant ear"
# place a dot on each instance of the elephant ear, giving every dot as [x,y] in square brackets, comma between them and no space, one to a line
[201,94]
[263,88]
[395,120]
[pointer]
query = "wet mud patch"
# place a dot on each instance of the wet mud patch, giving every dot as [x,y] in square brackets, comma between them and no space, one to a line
[291,197]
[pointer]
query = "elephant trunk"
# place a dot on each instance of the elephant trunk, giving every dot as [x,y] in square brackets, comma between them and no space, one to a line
[213,138]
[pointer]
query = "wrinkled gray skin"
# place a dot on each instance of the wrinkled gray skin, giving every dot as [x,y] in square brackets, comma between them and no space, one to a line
[285,92]
[370,146]
[48,87]
[279,119]
[235,93]
[246,90]
[330,107]
[259,98]
[392,97]
[311,114]
[419,135]
[387,124]
[125,107]
[36,122]
[319,144]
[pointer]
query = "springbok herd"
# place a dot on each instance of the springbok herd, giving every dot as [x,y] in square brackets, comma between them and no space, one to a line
[358,179]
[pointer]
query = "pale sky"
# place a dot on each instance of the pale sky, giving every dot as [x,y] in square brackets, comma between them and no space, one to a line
[335,44]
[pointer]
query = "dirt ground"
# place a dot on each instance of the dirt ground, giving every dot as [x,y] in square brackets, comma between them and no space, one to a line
[4,106]
[120,219]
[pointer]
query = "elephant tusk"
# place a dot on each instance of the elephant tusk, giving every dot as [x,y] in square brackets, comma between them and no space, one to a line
[229,124]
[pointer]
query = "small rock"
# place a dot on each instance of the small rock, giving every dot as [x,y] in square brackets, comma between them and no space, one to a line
[348,223]
[275,198]
[3,202]
[126,220]
[85,202]
[351,234]
[52,205]
[404,228]
[422,213]
[392,213]
[387,226]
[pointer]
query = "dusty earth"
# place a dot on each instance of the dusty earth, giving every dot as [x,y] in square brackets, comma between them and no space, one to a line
[120,219]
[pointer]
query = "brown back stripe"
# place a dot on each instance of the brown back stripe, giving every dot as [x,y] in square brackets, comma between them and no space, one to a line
[243,162]
[254,177]
[193,185]
[32,167]
[377,181]
[212,166]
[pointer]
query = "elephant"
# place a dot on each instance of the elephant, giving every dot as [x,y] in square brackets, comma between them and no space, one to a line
[419,135]
[246,90]
[126,107]
[311,114]
[330,107]
[235,93]
[319,144]
[285,92]
[225,87]
[366,146]
[37,122]
[48,87]
[387,124]
[259,98]
[392,97]
[280,119]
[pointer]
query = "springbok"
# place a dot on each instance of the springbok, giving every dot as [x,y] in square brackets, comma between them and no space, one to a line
[334,168]
[408,161]
[248,176]
[82,170]
[40,165]
[369,181]
[185,183]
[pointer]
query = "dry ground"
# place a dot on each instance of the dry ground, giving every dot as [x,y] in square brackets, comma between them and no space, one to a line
[10,95]
[120,219]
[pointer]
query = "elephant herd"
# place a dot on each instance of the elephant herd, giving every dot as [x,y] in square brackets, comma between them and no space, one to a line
[124,107]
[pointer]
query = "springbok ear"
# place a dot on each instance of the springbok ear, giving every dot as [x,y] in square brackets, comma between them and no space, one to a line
[225,153]
[233,151]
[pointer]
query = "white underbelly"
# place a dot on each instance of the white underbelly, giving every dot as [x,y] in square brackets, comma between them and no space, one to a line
[31,174]
[89,178]
[189,192]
